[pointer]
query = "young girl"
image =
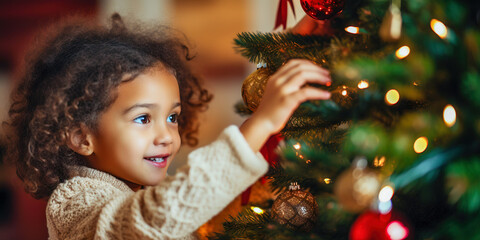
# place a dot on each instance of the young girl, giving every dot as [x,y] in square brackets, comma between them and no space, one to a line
[99,116]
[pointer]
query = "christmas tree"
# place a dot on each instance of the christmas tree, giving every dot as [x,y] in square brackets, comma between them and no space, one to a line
[395,152]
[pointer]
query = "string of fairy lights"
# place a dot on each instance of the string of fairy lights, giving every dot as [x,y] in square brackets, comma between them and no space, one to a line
[383,200]
[392,96]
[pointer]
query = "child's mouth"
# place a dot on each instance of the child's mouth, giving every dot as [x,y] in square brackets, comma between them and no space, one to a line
[159,160]
[155,159]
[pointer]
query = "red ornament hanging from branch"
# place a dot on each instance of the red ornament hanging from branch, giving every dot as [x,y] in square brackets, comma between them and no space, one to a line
[377,226]
[322,9]
[271,156]
[282,13]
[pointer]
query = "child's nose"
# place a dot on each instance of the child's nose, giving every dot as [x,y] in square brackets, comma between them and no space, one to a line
[163,135]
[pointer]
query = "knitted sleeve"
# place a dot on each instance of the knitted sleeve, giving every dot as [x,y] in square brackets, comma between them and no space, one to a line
[176,208]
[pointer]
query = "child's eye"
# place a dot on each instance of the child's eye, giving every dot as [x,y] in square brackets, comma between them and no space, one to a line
[143,119]
[173,118]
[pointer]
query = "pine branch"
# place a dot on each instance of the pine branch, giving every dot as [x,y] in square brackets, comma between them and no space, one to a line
[246,225]
[464,182]
[432,161]
[276,48]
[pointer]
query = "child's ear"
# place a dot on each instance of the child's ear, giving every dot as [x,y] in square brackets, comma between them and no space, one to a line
[80,140]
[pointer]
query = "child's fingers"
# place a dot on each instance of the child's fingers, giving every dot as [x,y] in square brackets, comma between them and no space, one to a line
[309,93]
[297,71]
[306,72]
[298,64]
[294,63]
[302,77]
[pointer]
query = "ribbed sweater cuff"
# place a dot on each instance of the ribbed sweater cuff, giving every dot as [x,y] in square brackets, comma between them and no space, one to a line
[254,162]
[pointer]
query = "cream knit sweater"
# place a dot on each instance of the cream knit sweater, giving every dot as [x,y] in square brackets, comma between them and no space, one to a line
[95,205]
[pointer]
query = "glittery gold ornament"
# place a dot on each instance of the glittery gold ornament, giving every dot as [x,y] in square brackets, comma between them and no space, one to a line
[253,88]
[391,27]
[296,209]
[357,187]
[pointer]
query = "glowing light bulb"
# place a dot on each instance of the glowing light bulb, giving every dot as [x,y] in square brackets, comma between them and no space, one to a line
[449,115]
[379,161]
[420,144]
[297,146]
[439,28]
[402,52]
[257,210]
[363,84]
[327,180]
[385,207]
[344,92]
[385,194]
[397,231]
[392,97]
[352,29]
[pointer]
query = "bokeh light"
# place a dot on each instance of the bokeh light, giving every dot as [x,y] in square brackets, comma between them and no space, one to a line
[397,231]
[449,115]
[352,29]
[363,84]
[439,28]
[392,97]
[420,144]
[385,194]
[385,207]
[257,210]
[297,146]
[327,180]
[402,52]
[379,161]
[344,91]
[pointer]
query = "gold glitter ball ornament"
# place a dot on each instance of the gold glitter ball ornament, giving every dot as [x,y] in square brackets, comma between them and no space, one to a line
[253,88]
[356,188]
[295,209]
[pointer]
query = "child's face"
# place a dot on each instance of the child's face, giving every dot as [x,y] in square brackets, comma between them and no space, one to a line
[138,135]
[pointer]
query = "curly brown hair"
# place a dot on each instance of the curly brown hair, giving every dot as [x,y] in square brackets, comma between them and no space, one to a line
[71,78]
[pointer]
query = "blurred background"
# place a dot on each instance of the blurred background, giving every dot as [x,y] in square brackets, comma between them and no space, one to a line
[210,25]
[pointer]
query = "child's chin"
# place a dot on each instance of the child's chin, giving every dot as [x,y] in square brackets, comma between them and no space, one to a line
[157,181]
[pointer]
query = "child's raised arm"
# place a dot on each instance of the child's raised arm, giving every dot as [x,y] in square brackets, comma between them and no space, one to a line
[284,92]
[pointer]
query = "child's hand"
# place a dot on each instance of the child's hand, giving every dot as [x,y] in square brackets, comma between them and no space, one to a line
[284,92]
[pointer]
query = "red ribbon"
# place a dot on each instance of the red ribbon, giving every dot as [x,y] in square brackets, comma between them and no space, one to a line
[282,13]
[270,155]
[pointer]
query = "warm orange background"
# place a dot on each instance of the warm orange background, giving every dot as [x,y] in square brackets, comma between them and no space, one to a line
[210,25]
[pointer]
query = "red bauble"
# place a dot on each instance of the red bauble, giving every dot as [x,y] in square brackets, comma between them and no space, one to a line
[322,9]
[376,226]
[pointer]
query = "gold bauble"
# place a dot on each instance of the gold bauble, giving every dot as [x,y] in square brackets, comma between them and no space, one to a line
[295,209]
[356,188]
[253,88]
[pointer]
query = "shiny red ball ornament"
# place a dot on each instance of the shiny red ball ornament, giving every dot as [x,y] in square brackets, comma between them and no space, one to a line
[376,226]
[322,9]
